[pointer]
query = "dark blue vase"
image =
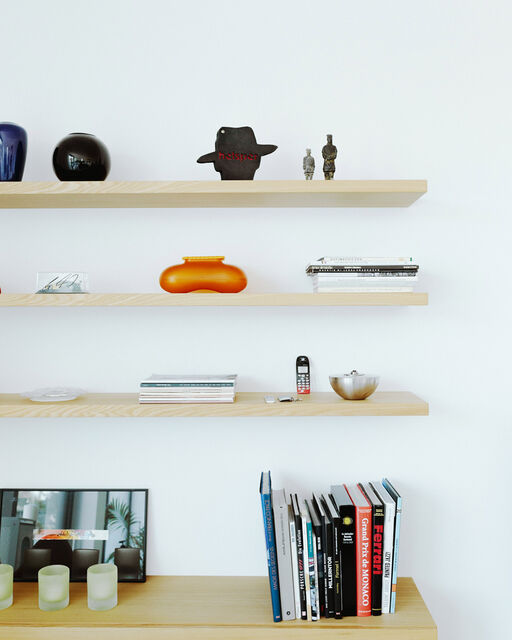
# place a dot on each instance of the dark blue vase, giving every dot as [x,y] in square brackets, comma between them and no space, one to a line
[13,152]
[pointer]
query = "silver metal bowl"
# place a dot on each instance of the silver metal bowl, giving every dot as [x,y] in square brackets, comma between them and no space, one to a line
[354,385]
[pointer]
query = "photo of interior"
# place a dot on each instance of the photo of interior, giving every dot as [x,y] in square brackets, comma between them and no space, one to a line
[74,528]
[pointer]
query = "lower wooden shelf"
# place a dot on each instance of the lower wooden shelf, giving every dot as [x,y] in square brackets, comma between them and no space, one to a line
[213,608]
[247,404]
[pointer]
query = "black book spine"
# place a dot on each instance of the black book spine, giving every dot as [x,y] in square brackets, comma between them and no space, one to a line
[338,606]
[348,559]
[324,559]
[377,546]
[380,269]
[329,575]
[320,569]
[300,562]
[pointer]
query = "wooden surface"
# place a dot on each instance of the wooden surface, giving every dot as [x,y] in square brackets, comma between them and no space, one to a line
[215,193]
[202,607]
[211,299]
[126,405]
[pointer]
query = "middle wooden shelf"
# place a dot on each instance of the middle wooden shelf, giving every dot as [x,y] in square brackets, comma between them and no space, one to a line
[344,299]
[247,404]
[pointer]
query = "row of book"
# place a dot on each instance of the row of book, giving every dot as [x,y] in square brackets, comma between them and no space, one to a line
[339,274]
[335,554]
[174,389]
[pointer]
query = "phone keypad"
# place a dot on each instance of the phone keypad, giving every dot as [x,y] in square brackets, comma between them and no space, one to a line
[303,383]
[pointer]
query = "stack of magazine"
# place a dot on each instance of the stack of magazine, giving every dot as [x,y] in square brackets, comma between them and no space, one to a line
[172,389]
[334,554]
[331,274]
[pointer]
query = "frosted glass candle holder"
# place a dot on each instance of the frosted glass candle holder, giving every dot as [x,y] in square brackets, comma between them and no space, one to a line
[6,573]
[53,587]
[102,587]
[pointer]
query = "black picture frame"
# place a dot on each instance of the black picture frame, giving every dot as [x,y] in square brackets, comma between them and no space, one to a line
[126,573]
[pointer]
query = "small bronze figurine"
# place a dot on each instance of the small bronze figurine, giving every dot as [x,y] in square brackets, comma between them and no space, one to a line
[308,164]
[329,153]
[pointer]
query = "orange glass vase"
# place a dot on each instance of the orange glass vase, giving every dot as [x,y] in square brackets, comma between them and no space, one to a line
[205,274]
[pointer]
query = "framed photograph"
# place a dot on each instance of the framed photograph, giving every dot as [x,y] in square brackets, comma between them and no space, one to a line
[62,282]
[76,528]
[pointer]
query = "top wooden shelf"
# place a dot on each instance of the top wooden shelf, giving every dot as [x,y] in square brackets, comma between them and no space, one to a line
[192,608]
[219,193]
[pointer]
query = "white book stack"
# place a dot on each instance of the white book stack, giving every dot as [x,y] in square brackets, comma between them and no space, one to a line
[354,274]
[174,389]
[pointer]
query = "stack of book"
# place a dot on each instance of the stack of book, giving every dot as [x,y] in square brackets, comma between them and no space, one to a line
[334,554]
[166,389]
[331,274]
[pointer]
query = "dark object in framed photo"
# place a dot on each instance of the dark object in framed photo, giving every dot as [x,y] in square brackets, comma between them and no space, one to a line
[76,528]
[237,155]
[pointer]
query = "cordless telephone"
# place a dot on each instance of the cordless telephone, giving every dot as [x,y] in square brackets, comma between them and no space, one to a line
[302,370]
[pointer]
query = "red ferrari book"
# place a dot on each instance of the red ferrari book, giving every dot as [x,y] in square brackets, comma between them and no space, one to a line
[363,550]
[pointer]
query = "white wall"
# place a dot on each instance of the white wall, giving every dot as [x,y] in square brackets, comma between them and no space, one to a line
[409,90]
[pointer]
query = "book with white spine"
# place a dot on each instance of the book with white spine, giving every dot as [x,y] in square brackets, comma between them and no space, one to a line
[398,519]
[340,275]
[362,260]
[284,559]
[359,281]
[369,289]
[189,380]
[389,529]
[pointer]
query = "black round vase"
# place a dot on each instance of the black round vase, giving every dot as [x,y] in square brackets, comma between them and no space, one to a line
[81,156]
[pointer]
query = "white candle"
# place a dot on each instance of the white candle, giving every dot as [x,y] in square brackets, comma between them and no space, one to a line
[102,587]
[53,587]
[6,573]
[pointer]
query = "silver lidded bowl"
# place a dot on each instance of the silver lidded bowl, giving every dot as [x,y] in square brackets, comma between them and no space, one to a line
[354,385]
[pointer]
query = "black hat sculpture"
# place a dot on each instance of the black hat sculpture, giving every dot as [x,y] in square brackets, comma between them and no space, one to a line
[237,155]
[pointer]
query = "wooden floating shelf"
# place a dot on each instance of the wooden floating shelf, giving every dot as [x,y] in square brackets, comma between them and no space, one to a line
[247,404]
[211,299]
[215,193]
[213,608]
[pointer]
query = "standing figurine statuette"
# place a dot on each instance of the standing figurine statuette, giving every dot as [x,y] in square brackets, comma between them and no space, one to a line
[329,153]
[308,164]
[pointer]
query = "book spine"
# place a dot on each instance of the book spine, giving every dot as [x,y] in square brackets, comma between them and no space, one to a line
[363,280]
[387,564]
[307,586]
[295,567]
[320,566]
[363,289]
[186,385]
[300,563]
[355,260]
[271,555]
[377,548]
[284,564]
[319,592]
[348,560]
[329,574]
[364,270]
[312,574]
[337,570]
[364,560]
[394,575]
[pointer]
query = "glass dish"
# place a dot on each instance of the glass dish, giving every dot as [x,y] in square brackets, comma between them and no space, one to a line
[53,394]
